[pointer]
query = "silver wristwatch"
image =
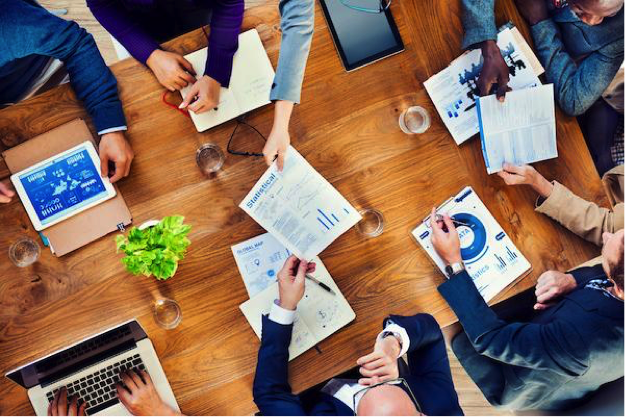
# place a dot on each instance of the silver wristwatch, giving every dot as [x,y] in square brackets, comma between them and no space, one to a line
[454,269]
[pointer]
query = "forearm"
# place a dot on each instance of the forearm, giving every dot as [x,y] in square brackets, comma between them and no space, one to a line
[119,22]
[224,39]
[297,26]
[478,21]
[282,114]
[584,218]
[576,87]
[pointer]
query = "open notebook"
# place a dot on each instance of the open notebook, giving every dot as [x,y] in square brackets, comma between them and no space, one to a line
[250,83]
[319,314]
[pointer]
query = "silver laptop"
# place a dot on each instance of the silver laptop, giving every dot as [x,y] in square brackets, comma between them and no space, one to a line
[90,369]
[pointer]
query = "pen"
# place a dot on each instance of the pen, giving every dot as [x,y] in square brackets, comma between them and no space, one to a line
[439,218]
[321,284]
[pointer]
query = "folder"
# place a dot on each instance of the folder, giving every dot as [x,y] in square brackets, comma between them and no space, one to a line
[83,228]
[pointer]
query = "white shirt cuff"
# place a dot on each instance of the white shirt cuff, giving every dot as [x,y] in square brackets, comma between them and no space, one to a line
[112,129]
[403,336]
[281,315]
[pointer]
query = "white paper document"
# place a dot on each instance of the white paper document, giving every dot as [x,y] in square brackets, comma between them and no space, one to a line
[299,207]
[250,82]
[259,259]
[454,90]
[490,257]
[520,130]
[319,313]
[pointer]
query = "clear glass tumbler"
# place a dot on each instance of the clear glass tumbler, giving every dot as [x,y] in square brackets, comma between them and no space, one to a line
[167,313]
[210,158]
[414,120]
[372,223]
[24,252]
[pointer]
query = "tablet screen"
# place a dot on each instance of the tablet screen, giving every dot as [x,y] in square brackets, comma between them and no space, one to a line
[63,185]
[361,37]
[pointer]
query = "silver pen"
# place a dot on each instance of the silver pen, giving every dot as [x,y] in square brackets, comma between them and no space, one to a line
[321,284]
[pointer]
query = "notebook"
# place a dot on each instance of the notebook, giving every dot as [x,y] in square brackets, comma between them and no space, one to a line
[454,90]
[85,227]
[489,255]
[520,130]
[250,83]
[319,313]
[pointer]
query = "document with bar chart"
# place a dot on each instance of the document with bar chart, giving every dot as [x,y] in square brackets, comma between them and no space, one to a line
[489,255]
[299,207]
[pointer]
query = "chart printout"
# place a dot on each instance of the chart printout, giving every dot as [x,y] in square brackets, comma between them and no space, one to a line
[299,207]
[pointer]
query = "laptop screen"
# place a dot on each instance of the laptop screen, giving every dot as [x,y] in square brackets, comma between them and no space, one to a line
[79,356]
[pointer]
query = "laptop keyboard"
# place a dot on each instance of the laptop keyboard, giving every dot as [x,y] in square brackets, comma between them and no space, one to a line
[98,389]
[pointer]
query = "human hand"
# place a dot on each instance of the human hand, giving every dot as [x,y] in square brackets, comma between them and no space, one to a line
[139,395]
[534,11]
[494,71]
[6,194]
[115,148]
[446,244]
[171,70]
[551,286]
[291,279]
[526,174]
[60,406]
[207,90]
[381,364]
[279,139]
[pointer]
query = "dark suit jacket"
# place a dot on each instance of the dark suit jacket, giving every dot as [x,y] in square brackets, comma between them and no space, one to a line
[429,375]
[560,355]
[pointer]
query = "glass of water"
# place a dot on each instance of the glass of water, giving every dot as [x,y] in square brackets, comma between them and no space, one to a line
[414,120]
[372,223]
[210,158]
[167,313]
[24,252]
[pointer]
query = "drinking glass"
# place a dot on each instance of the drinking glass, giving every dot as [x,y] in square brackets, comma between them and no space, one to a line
[372,223]
[414,120]
[167,313]
[24,252]
[209,158]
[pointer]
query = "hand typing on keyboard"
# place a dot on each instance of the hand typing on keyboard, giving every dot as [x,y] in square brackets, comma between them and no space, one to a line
[60,406]
[139,396]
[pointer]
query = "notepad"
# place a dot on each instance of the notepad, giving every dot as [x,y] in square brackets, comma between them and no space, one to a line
[319,313]
[519,131]
[250,83]
[489,255]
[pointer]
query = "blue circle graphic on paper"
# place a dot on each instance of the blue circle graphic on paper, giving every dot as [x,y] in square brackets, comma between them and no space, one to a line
[472,237]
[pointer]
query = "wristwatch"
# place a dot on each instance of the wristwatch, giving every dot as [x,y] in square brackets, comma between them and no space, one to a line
[454,269]
[386,334]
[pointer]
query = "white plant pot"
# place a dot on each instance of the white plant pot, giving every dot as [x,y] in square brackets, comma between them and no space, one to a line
[149,223]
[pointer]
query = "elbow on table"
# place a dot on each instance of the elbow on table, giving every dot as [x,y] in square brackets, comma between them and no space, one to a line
[572,104]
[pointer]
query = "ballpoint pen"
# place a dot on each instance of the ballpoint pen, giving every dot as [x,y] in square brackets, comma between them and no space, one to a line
[439,218]
[321,284]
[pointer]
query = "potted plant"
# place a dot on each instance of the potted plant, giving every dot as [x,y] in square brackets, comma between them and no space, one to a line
[155,247]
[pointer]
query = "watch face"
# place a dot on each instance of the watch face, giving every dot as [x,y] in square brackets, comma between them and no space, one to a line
[449,270]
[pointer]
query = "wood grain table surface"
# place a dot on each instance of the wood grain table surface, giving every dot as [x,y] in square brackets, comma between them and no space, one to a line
[347,128]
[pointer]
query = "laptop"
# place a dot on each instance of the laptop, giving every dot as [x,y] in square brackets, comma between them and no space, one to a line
[90,369]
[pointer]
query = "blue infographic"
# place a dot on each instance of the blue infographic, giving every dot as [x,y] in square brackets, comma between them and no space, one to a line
[63,185]
[490,257]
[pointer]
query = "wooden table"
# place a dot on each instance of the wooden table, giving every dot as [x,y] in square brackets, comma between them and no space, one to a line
[347,129]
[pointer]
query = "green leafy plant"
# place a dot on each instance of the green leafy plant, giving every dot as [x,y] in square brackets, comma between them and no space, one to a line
[157,249]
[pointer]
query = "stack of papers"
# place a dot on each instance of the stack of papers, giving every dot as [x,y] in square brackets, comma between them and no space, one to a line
[520,130]
[454,90]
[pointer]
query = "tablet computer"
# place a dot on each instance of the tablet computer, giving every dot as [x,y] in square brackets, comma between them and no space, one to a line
[62,186]
[361,37]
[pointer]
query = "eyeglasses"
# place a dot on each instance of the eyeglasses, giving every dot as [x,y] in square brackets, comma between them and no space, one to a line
[241,121]
[383,5]
[398,381]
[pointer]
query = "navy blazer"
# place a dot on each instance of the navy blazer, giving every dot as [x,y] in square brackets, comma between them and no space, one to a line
[559,356]
[429,375]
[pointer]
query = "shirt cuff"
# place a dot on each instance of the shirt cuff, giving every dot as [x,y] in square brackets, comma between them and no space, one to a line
[403,336]
[112,129]
[281,315]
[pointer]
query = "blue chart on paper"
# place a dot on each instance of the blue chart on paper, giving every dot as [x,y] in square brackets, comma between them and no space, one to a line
[328,219]
[63,186]
[472,237]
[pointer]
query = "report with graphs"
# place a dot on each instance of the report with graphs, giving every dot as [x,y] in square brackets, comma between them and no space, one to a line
[299,207]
